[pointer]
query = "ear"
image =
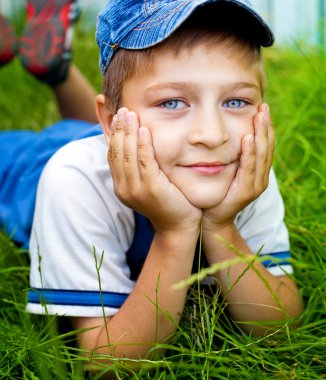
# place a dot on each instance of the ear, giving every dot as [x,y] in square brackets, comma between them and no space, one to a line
[105,116]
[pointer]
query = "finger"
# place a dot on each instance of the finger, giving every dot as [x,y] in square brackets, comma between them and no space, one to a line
[261,149]
[131,149]
[116,147]
[148,167]
[247,169]
[271,138]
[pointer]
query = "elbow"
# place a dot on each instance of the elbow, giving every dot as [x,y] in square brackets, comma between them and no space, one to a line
[263,320]
[295,311]
[275,322]
[293,305]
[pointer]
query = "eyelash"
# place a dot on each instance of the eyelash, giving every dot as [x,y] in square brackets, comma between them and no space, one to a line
[169,101]
[245,103]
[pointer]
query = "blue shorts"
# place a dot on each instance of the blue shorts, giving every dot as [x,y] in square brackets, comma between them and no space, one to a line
[23,155]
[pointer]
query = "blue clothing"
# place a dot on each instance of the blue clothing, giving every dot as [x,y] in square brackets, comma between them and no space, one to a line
[23,157]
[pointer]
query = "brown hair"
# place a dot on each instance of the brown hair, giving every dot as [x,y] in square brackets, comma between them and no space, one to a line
[201,27]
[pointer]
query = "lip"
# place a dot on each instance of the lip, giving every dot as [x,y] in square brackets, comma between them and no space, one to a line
[207,168]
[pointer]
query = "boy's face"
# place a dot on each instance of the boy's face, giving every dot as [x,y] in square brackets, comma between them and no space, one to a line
[198,105]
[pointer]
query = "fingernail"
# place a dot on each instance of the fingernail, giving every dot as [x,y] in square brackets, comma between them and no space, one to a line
[130,118]
[266,113]
[267,108]
[250,139]
[121,114]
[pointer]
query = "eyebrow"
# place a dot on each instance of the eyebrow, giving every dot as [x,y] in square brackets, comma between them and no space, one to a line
[168,85]
[188,85]
[241,85]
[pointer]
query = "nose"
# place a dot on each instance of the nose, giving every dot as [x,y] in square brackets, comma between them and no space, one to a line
[208,128]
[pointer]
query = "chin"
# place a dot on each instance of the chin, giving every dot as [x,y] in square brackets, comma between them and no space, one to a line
[203,202]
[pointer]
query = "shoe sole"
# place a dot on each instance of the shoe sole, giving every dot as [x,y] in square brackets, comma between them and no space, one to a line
[42,46]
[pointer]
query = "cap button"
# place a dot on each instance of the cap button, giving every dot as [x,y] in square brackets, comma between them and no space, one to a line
[114,46]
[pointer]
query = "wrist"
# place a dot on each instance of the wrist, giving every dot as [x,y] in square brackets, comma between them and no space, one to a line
[177,236]
[220,236]
[177,247]
[224,243]
[224,228]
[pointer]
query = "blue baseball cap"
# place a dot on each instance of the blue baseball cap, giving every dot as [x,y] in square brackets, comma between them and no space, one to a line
[140,24]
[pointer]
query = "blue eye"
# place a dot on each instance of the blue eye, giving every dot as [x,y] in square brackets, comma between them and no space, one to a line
[173,104]
[235,103]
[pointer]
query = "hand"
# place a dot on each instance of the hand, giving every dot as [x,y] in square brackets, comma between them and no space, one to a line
[139,183]
[252,175]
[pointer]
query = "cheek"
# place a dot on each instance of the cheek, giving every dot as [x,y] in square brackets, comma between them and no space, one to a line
[238,131]
[165,149]
[160,139]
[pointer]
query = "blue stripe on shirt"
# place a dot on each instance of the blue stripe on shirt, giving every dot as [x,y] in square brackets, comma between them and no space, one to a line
[278,259]
[76,297]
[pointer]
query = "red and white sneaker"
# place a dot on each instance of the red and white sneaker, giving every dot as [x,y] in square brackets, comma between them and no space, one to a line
[8,41]
[46,44]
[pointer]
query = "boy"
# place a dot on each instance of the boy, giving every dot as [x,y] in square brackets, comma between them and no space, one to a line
[190,148]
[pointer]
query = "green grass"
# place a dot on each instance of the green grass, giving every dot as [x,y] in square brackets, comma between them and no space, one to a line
[207,345]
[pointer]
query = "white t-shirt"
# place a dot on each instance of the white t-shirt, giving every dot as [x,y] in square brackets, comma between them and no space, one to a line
[77,216]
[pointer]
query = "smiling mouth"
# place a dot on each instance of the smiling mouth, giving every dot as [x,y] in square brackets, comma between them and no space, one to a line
[209,169]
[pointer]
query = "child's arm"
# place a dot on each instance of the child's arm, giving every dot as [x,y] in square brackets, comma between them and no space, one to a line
[140,184]
[138,323]
[250,300]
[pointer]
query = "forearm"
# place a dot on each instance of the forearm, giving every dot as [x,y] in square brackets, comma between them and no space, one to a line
[251,294]
[76,97]
[143,318]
